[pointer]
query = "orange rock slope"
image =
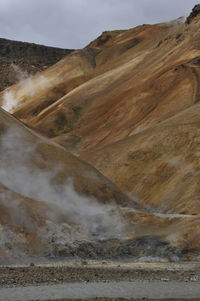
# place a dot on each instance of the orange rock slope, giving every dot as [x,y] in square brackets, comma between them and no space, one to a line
[52,204]
[128,104]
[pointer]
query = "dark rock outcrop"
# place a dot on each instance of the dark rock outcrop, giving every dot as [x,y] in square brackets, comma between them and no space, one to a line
[195,12]
[31,58]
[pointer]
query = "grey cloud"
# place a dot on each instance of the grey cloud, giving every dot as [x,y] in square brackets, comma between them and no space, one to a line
[74,23]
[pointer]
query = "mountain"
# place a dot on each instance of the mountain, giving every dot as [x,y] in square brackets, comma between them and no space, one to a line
[108,145]
[54,205]
[46,191]
[18,59]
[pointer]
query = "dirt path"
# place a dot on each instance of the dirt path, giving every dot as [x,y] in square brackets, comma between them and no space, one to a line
[122,289]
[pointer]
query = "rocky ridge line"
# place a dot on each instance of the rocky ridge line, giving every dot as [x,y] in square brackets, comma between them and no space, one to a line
[30,57]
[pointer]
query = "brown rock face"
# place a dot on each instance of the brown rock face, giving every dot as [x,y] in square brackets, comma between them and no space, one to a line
[31,58]
[195,12]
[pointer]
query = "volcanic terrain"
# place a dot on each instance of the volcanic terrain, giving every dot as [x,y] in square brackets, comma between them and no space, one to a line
[100,156]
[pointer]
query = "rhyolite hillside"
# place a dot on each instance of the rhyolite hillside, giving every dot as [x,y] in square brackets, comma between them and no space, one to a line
[118,124]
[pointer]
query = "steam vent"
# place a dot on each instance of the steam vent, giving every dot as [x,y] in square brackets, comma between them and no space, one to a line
[100,147]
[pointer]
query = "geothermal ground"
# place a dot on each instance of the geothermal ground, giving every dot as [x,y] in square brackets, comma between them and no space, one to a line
[100,160]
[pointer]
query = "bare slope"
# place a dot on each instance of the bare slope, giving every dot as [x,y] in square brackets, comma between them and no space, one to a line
[133,84]
[160,164]
[131,80]
[52,204]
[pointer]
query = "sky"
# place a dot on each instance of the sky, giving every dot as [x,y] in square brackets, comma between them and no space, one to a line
[74,23]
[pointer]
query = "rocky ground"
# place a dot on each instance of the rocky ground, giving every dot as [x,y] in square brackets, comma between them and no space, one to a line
[82,272]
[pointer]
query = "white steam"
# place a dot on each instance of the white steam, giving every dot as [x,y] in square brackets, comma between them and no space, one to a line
[29,85]
[19,173]
[34,84]
[19,73]
[177,22]
[9,101]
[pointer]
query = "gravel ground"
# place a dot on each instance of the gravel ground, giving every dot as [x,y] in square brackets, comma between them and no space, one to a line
[103,299]
[54,274]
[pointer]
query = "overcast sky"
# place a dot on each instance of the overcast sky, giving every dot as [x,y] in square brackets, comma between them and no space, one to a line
[74,23]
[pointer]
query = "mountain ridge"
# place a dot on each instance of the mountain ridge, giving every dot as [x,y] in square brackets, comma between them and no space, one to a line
[30,58]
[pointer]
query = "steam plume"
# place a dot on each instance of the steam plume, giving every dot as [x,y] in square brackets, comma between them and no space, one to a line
[9,101]
[20,174]
[29,86]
